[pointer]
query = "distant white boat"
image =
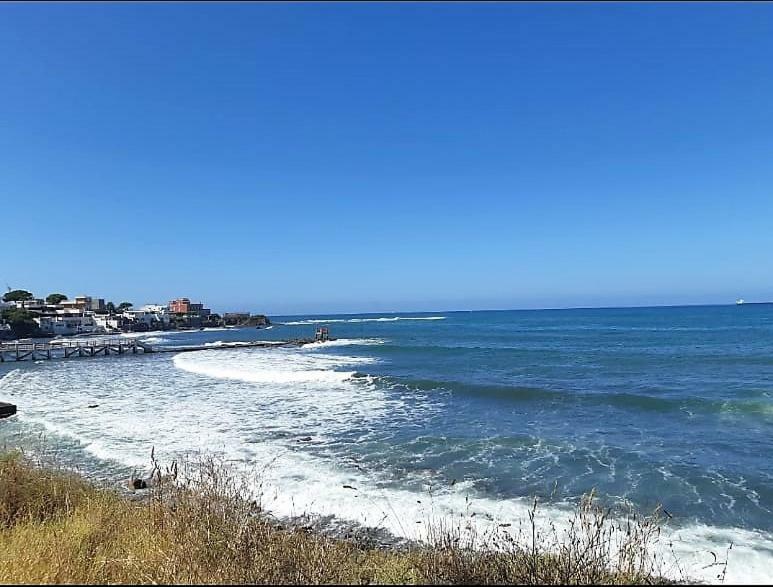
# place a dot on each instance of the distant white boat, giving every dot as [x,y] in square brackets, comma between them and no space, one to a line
[739,301]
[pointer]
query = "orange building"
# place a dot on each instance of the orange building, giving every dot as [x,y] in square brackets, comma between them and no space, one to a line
[180,306]
[184,306]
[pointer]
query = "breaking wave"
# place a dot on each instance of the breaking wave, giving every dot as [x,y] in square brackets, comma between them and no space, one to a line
[344,342]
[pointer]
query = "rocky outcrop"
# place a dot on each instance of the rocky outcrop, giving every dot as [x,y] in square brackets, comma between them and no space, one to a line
[7,410]
[258,320]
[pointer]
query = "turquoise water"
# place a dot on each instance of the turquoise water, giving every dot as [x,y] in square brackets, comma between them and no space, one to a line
[670,406]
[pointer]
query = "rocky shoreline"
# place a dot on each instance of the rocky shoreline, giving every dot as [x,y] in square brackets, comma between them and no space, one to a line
[328,526]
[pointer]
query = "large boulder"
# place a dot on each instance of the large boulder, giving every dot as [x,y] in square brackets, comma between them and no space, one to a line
[7,410]
[258,320]
[136,483]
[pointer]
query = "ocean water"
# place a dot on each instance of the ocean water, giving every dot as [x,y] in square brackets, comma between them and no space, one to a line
[431,415]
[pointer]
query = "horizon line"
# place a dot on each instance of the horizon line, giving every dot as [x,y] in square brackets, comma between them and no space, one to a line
[525,309]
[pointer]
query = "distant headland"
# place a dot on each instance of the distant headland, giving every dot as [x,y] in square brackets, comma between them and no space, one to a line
[24,315]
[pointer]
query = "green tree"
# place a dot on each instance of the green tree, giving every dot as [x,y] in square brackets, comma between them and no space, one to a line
[55,298]
[17,295]
[21,322]
[110,307]
[124,306]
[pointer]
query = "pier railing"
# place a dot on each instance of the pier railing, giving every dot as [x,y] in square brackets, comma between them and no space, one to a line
[9,346]
[64,349]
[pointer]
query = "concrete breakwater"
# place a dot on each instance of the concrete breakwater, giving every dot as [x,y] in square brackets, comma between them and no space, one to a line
[232,345]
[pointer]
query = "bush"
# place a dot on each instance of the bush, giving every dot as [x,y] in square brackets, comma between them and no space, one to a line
[21,322]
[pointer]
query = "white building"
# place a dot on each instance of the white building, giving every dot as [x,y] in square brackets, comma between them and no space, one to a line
[31,305]
[153,316]
[65,324]
[139,316]
[107,323]
[158,313]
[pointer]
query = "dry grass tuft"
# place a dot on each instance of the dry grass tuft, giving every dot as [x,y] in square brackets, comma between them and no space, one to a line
[203,527]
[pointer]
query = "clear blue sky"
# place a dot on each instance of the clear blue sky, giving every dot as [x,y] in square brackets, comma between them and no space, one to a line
[294,158]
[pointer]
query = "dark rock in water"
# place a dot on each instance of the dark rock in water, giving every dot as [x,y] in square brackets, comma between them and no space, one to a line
[305,439]
[349,487]
[257,320]
[358,375]
[7,410]
[138,484]
[93,406]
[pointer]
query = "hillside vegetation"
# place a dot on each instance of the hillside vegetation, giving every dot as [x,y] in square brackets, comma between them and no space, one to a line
[55,527]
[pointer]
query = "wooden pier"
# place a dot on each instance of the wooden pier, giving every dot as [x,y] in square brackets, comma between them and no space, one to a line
[102,347]
[65,349]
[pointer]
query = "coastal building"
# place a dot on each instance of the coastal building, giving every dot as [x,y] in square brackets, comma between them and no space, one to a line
[64,324]
[84,303]
[154,320]
[33,305]
[180,306]
[184,306]
[109,323]
[65,311]
[156,308]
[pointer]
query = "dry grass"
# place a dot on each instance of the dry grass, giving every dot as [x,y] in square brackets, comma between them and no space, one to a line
[57,528]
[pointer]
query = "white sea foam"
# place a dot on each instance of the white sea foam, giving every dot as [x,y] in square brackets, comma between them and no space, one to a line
[252,406]
[357,320]
[344,342]
[219,343]
[232,399]
[155,340]
[684,552]
[275,367]
[143,334]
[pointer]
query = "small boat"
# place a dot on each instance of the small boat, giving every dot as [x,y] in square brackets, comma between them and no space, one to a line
[739,301]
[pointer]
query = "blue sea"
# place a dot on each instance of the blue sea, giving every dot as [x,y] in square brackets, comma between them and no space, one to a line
[436,413]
